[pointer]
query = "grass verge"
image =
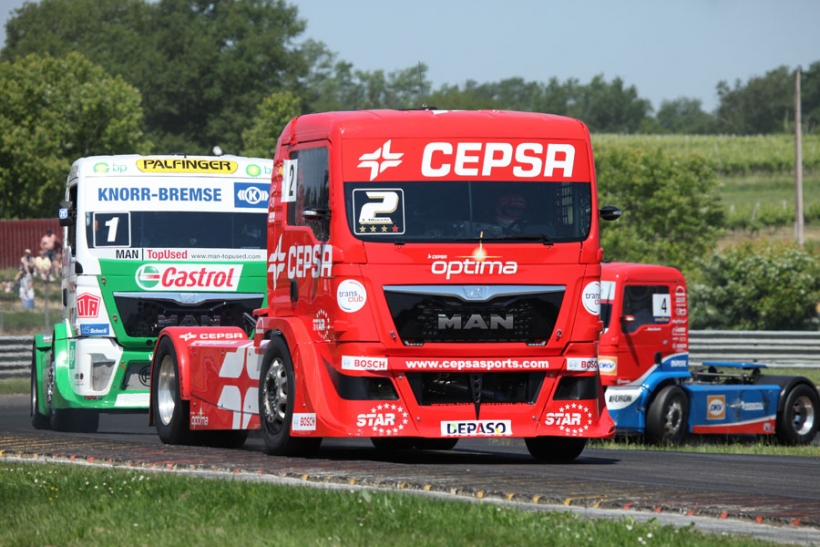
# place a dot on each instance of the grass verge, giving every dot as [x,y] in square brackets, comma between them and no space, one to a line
[14,386]
[68,505]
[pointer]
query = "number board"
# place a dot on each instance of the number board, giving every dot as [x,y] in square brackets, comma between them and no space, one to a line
[112,229]
[378,211]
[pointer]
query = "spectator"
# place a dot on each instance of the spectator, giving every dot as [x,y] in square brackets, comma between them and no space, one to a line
[7,285]
[49,244]
[43,265]
[26,266]
[27,291]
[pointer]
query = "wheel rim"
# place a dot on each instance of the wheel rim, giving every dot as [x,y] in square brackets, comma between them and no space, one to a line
[803,415]
[674,418]
[166,390]
[33,394]
[275,396]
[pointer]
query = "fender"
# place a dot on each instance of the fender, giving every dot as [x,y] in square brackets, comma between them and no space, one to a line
[61,342]
[40,363]
[631,415]
[182,338]
[786,384]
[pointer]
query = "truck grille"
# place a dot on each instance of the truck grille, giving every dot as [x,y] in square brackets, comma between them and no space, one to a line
[146,314]
[474,313]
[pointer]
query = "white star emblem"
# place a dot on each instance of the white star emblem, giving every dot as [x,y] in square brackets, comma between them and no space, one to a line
[277,262]
[188,335]
[380,160]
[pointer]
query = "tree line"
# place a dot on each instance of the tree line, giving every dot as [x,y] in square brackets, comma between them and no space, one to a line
[87,77]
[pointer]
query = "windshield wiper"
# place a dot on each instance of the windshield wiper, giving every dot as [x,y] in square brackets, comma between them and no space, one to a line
[522,237]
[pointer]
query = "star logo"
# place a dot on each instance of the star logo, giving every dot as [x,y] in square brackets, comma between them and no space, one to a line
[380,160]
[187,336]
[277,262]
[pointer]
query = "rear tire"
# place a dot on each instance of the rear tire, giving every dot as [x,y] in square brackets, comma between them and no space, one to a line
[169,411]
[277,395]
[38,420]
[555,449]
[797,423]
[666,421]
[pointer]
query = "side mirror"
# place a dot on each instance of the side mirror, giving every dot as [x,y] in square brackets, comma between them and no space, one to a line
[610,212]
[316,213]
[66,213]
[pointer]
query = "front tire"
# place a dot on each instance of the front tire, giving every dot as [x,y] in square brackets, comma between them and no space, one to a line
[170,412]
[277,394]
[797,423]
[38,420]
[555,449]
[666,421]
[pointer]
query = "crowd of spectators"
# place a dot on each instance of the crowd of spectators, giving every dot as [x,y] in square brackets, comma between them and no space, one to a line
[46,266]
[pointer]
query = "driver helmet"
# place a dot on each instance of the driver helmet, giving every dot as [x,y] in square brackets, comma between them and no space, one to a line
[510,208]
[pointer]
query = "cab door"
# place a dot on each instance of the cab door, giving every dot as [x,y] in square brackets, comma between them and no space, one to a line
[645,322]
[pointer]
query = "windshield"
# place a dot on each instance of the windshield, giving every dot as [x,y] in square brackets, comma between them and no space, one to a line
[454,211]
[177,229]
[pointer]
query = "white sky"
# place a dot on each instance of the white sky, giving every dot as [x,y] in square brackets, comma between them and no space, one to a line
[667,49]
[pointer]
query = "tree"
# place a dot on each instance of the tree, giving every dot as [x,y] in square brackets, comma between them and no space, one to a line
[274,113]
[761,286]
[763,105]
[610,108]
[672,212]
[53,111]
[685,116]
[202,66]
[810,98]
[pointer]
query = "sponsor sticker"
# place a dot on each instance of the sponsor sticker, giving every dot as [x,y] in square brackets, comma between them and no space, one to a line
[582,364]
[573,419]
[608,365]
[591,298]
[715,407]
[303,421]
[96,329]
[351,296]
[250,195]
[162,277]
[476,428]
[354,362]
[186,165]
[88,305]
[620,398]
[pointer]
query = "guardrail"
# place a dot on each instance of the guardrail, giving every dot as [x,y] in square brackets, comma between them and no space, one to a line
[774,348]
[15,356]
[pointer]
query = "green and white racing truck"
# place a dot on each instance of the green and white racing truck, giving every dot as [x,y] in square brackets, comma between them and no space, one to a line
[148,242]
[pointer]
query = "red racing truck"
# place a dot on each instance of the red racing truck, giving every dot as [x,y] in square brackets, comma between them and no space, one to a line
[652,390]
[433,275]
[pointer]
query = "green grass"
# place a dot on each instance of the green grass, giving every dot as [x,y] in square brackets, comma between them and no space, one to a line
[13,386]
[68,505]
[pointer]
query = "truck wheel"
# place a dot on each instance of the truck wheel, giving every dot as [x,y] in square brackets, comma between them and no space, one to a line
[667,417]
[797,423]
[436,444]
[170,412]
[555,449]
[38,420]
[277,393]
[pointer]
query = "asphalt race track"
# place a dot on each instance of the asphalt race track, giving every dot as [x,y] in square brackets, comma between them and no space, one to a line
[771,497]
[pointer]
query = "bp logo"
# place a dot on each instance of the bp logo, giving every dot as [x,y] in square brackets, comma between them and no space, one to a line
[101,167]
[148,276]
[253,170]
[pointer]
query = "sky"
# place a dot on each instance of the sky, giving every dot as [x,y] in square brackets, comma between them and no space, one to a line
[667,49]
